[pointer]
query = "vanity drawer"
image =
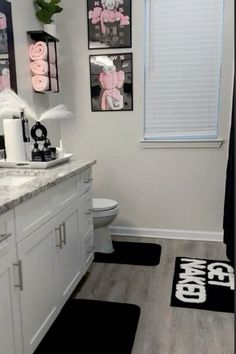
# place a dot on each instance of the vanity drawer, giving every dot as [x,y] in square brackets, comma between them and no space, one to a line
[32,214]
[7,233]
[85,181]
[86,216]
[63,194]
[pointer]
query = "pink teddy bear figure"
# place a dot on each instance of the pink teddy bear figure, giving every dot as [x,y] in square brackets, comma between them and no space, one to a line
[111,81]
[3,21]
[109,17]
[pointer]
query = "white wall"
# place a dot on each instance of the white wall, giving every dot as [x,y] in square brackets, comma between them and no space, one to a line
[158,189]
[24,20]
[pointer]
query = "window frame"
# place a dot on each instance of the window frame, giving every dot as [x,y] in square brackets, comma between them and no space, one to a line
[215,143]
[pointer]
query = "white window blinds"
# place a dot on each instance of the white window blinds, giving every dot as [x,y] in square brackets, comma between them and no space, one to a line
[183,62]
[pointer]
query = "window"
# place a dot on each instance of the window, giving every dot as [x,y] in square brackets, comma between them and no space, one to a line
[183,67]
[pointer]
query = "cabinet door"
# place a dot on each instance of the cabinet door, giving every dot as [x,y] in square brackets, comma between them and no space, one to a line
[86,215]
[68,262]
[88,249]
[10,325]
[38,301]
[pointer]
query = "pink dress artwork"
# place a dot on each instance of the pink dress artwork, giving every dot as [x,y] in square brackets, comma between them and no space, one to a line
[5,79]
[111,81]
[3,21]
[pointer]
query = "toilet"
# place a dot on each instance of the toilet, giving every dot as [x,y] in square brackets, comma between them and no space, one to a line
[104,213]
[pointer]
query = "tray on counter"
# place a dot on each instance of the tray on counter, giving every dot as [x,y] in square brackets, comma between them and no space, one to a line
[35,164]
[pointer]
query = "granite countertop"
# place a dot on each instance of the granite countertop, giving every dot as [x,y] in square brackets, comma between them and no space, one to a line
[11,196]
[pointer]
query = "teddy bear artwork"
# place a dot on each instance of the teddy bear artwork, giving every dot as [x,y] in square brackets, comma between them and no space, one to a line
[111,82]
[109,23]
[4,62]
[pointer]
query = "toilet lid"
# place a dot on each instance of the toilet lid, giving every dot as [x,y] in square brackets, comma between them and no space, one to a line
[104,204]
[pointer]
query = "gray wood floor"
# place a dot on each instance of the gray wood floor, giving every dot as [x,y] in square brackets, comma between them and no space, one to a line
[163,329]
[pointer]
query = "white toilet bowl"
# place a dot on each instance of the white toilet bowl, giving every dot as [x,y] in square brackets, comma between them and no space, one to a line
[104,213]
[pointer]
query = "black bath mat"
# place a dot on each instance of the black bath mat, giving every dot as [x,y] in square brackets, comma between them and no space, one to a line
[203,284]
[136,253]
[92,327]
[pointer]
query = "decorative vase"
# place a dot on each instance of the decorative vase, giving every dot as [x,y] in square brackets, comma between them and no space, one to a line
[50,29]
[39,132]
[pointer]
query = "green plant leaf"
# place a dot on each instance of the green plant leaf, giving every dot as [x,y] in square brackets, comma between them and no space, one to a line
[44,5]
[45,10]
[57,9]
[44,16]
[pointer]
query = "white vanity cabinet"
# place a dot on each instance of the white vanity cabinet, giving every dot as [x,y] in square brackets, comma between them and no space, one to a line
[37,297]
[68,253]
[50,254]
[10,325]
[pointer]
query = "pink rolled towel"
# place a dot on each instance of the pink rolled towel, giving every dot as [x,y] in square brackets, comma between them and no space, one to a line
[53,70]
[52,53]
[40,83]
[54,85]
[38,51]
[39,67]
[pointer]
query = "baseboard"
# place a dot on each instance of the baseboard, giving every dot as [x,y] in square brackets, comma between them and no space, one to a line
[166,233]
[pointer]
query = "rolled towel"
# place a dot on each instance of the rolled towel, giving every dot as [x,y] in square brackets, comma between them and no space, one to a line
[52,53]
[54,85]
[38,51]
[39,67]
[53,70]
[40,83]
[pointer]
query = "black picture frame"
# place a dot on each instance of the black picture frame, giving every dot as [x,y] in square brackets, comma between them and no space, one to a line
[109,28]
[111,82]
[9,55]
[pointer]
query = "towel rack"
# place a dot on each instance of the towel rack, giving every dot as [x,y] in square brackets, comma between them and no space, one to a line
[47,38]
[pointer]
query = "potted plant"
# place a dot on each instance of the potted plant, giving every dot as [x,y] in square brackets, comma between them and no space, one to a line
[45,10]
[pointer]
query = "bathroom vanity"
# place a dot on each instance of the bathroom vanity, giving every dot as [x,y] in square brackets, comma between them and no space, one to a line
[46,246]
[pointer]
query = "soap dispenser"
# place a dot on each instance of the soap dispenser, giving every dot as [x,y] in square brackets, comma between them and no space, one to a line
[46,152]
[36,153]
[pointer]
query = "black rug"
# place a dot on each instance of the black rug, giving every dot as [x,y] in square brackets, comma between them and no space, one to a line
[136,253]
[92,327]
[203,284]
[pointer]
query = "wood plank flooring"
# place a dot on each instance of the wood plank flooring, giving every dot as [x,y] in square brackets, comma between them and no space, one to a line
[163,329]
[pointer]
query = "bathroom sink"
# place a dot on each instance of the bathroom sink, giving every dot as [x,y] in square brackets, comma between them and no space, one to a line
[14,181]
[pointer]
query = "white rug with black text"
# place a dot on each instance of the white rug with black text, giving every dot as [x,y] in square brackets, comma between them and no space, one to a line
[203,284]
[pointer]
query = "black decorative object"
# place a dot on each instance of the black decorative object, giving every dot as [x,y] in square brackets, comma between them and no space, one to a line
[109,24]
[38,132]
[111,81]
[136,253]
[45,37]
[7,51]
[89,327]
[229,228]
[203,284]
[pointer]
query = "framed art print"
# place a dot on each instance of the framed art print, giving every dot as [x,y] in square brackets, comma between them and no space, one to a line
[7,51]
[111,82]
[5,82]
[109,24]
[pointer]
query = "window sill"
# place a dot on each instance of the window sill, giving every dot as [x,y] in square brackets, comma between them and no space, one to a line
[186,144]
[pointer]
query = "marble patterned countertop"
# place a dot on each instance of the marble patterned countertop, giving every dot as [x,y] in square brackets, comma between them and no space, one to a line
[11,196]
